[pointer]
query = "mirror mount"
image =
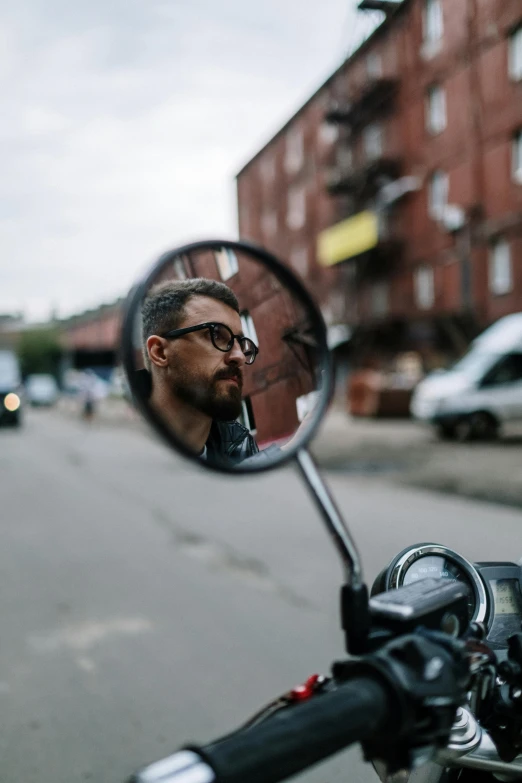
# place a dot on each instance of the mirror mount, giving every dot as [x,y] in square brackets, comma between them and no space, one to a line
[354,593]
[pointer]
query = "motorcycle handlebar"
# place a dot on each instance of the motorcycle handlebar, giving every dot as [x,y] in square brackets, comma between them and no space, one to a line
[285,744]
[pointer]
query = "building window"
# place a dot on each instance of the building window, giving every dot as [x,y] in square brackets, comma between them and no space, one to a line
[269,223]
[515,55]
[179,268]
[328,133]
[294,152]
[296,212]
[247,323]
[380,298]
[246,417]
[438,194]
[345,158]
[268,167]
[433,21]
[373,141]
[226,262]
[373,66]
[424,287]
[517,157]
[299,260]
[436,120]
[500,268]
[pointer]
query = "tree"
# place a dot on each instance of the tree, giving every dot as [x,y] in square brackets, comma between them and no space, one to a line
[40,351]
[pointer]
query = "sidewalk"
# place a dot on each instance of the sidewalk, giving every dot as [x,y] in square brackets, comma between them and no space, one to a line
[401,451]
[410,453]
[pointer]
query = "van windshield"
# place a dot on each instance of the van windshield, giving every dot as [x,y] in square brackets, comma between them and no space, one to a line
[475,363]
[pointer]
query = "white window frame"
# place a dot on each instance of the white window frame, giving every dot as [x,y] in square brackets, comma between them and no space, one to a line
[269,223]
[425,287]
[244,418]
[433,22]
[294,150]
[327,133]
[438,193]
[226,262]
[373,65]
[180,268]
[299,260]
[517,157]
[373,141]
[268,167]
[515,54]
[500,268]
[345,158]
[296,207]
[436,112]
[249,329]
[380,297]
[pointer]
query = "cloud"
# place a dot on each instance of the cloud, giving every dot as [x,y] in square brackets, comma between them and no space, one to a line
[127,121]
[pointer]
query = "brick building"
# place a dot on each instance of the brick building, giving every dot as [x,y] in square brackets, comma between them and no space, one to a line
[92,338]
[284,370]
[396,190]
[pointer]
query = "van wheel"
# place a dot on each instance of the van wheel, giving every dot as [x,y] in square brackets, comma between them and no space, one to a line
[463,429]
[485,426]
[446,431]
[477,426]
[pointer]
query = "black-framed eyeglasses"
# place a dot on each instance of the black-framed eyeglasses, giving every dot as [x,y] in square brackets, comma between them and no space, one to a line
[222,338]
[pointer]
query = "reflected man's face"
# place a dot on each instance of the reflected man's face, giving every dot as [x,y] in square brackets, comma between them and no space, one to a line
[199,374]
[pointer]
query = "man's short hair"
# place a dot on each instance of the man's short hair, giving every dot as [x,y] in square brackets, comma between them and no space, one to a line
[163,308]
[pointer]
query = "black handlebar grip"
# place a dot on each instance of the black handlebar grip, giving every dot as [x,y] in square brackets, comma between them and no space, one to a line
[296,738]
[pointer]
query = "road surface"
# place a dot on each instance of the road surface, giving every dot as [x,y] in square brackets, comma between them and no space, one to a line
[145,603]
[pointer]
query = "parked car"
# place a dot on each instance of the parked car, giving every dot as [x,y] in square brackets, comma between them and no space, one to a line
[10,389]
[480,392]
[41,389]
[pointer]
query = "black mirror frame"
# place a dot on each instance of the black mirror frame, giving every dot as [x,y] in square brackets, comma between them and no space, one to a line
[287,278]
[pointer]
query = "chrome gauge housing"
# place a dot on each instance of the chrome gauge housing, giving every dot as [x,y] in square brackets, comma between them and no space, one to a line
[433,560]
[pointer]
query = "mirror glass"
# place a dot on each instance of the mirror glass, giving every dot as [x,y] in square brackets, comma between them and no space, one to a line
[227,356]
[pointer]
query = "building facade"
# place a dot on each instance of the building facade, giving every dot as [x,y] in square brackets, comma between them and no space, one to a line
[92,338]
[396,190]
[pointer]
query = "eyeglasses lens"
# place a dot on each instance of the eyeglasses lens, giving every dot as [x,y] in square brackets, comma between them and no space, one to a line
[223,339]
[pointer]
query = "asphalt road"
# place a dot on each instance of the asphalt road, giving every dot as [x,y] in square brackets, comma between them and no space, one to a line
[145,604]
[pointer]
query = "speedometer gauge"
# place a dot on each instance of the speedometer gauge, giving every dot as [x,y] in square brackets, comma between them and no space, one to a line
[432,561]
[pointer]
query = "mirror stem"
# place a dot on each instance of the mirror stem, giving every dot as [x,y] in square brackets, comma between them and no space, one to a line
[335,524]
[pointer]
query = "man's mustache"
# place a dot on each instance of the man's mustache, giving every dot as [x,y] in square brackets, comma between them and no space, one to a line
[233,372]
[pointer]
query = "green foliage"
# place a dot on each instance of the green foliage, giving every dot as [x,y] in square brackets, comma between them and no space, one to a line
[40,351]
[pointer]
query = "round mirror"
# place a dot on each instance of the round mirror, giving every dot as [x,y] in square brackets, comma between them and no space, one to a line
[226,355]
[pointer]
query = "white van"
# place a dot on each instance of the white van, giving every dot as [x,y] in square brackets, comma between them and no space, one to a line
[482,391]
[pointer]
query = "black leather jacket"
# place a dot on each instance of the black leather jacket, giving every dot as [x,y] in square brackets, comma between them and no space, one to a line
[230,443]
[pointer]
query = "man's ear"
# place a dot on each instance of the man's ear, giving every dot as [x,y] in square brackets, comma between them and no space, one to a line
[157,350]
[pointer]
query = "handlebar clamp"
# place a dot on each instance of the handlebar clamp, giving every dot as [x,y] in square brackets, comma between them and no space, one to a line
[428,677]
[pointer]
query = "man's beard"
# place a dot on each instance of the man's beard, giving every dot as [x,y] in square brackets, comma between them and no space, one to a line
[220,401]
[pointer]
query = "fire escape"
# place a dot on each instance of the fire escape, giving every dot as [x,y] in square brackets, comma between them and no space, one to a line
[366,183]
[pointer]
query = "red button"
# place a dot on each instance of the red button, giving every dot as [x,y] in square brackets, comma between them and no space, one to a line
[306,691]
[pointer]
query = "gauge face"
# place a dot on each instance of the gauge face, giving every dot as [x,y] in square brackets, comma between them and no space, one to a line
[439,567]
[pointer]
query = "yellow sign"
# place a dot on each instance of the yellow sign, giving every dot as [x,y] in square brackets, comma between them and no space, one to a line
[349,238]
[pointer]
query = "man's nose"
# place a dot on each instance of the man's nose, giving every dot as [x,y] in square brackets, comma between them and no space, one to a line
[235,355]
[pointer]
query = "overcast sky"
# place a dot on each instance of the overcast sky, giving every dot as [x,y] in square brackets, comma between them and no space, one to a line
[125,121]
